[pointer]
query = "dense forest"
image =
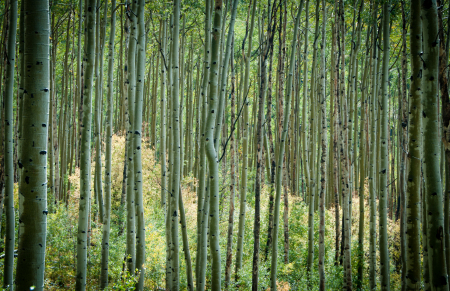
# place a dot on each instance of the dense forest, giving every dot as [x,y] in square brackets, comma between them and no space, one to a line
[225,144]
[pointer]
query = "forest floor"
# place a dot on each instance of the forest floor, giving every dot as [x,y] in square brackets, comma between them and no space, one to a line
[62,222]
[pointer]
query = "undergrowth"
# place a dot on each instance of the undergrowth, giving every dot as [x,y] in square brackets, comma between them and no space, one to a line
[60,272]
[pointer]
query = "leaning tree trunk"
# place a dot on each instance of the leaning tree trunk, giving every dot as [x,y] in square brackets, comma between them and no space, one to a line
[9,149]
[33,183]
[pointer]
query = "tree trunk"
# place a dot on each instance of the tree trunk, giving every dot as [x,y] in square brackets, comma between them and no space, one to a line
[383,194]
[131,84]
[245,137]
[372,155]
[137,133]
[281,149]
[431,149]
[323,160]
[33,184]
[9,150]
[202,207]
[175,170]
[108,154]
[412,231]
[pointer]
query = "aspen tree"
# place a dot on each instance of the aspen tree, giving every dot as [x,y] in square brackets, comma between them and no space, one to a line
[175,169]
[372,155]
[312,147]
[383,190]
[362,164]
[354,97]
[259,148]
[101,32]
[108,155]
[229,256]
[304,135]
[181,90]
[281,149]
[431,149]
[245,136]
[270,145]
[344,155]
[162,145]
[8,148]
[33,182]
[85,153]
[202,194]
[51,150]
[137,132]
[323,163]
[402,141]
[64,112]
[444,51]
[211,153]
[131,84]
[229,53]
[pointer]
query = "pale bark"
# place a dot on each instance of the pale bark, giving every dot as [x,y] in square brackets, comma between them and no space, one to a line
[8,148]
[85,155]
[33,183]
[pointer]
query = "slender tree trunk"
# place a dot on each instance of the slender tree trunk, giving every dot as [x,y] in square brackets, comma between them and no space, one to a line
[383,194]
[211,153]
[259,160]
[245,137]
[85,158]
[176,167]
[233,178]
[9,150]
[402,157]
[312,147]
[281,148]
[372,154]
[101,29]
[202,207]
[362,165]
[108,155]
[323,164]
[131,84]
[137,133]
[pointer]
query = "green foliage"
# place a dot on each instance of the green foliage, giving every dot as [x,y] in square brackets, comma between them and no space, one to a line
[61,238]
